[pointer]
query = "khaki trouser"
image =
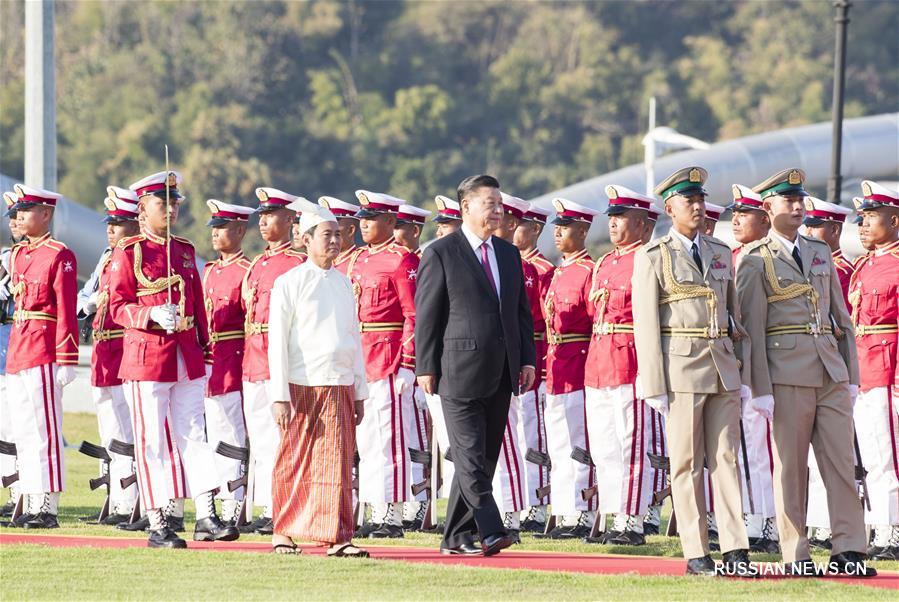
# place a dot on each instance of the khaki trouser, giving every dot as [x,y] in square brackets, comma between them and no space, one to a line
[706,427]
[823,417]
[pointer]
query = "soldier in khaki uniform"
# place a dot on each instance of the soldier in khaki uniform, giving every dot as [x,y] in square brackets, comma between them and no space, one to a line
[684,304]
[804,373]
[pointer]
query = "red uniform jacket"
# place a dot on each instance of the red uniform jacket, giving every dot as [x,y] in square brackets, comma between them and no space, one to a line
[844,271]
[256,296]
[109,336]
[225,315]
[383,278]
[874,294]
[568,324]
[343,260]
[45,323]
[138,277]
[544,268]
[611,358]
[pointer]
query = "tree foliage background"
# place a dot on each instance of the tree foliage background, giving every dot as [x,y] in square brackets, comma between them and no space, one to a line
[325,97]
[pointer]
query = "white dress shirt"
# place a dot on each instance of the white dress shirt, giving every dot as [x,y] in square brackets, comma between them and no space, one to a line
[313,336]
[787,244]
[686,242]
[475,241]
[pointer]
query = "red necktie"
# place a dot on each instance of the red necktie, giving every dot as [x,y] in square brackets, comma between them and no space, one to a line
[486,263]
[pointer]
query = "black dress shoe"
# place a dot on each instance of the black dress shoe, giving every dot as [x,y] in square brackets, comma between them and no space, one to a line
[465,549]
[532,526]
[603,538]
[763,545]
[260,522]
[175,523]
[701,566]
[43,520]
[266,528]
[20,521]
[165,538]
[820,544]
[883,553]
[387,531]
[7,509]
[515,534]
[803,568]
[627,538]
[650,528]
[212,528]
[141,524]
[494,543]
[736,564]
[851,564]
[365,529]
[114,519]
[92,518]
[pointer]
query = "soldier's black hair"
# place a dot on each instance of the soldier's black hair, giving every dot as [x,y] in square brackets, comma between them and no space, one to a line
[472,183]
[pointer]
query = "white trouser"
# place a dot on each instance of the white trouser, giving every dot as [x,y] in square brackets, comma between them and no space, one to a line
[565,430]
[657,445]
[224,422]
[877,427]
[7,463]
[417,438]
[385,474]
[438,430]
[616,426]
[532,435]
[264,438]
[173,457]
[816,514]
[509,478]
[114,422]
[757,431]
[35,407]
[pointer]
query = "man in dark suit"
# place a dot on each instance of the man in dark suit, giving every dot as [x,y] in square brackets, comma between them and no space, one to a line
[474,339]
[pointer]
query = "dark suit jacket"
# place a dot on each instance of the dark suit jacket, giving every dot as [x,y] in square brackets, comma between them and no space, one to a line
[462,334]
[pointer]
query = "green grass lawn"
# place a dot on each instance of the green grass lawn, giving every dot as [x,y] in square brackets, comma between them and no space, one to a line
[32,572]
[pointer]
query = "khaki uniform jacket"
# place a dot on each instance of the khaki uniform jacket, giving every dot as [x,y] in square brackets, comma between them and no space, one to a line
[773,303]
[699,306]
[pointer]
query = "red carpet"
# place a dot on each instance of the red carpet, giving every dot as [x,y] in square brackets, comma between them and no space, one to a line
[608,564]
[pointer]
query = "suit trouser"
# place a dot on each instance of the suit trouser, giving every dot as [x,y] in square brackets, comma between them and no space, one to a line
[509,478]
[877,426]
[173,457]
[821,416]
[7,463]
[35,405]
[566,429]
[114,422]
[417,437]
[476,428]
[616,423]
[705,428]
[385,472]
[264,438]
[224,422]
[760,452]
[532,435]
[438,423]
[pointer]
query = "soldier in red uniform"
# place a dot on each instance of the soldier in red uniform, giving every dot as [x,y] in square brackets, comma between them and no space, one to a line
[349,227]
[275,222]
[568,331]
[616,416]
[156,295]
[383,276]
[43,352]
[825,221]
[750,222]
[410,221]
[222,281]
[874,295]
[712,215]
[449,215]
[113,413]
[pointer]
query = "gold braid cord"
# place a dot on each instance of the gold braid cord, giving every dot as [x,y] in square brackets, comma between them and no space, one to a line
[682,292]
[153,287]
[855,293]
[785,293]
[549,307]
[600,295]
[17,289]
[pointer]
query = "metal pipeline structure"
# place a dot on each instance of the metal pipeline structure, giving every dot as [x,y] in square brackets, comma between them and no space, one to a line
[870,152]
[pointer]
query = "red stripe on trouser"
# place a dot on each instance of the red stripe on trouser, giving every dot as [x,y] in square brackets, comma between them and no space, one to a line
[403,451]
[540,443]
[142,453]
[178,456]
[630,481]
[591,475]
[514,480]
[172,459]
[393,435]
[56,436]
[520,493]
[892,421]
[47,426]
[768,442]
[505,450]
[657,474]
[642,456]
[711,494]
[418,429]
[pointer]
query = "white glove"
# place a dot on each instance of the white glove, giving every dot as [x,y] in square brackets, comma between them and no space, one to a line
[65,375]
[764,405]
[745,397]
[4,292]
[403,381]
[853,393]
[659,404]
[91,306]
[208,371]
[165,316]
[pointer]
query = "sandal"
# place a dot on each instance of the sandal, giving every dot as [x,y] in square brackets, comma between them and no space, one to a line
[347,550]
[287,549]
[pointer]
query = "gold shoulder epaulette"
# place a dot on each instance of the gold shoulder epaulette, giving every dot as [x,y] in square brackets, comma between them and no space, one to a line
[749,247]
[294,253]
[716,241]
[182,239]
[812,240]
[57,245]
[130,240]
[398,249]
[654,244]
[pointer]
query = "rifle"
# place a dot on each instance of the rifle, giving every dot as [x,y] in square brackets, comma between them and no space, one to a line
[664,464]
[541,459]
[746,468]
[242,454]
[426,459]
[9,449]
[99,452]
[127,449]
[582,456]
[861,473]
